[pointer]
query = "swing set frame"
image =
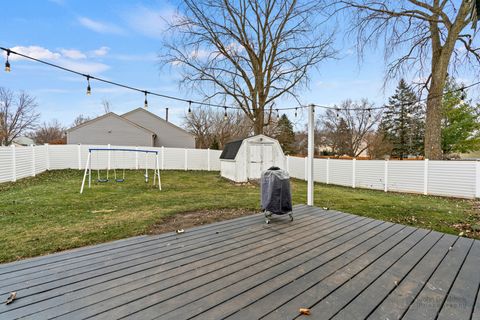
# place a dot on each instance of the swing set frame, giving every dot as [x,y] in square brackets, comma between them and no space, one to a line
[88,166]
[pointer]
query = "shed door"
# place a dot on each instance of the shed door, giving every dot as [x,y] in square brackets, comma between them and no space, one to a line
[261,158]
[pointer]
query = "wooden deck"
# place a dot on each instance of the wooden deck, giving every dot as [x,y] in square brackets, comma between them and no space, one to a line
[340,266]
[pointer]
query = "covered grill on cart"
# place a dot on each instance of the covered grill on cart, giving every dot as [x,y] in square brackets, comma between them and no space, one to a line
[275,193]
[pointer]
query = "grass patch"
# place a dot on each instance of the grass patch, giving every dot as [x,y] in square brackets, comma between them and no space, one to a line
[46,213]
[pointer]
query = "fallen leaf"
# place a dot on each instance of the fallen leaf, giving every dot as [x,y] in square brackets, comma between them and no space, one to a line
[304,311]
[12,297]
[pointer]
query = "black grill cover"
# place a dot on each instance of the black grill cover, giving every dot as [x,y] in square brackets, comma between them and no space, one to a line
[275,191]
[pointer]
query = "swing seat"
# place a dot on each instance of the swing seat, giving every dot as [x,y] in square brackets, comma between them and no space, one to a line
[102,180]
[119,180]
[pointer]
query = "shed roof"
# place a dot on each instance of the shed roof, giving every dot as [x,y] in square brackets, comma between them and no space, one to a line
[231,149]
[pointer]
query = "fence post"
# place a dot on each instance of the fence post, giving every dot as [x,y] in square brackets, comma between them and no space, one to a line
[186,159]
[33,159]
[477,180]
[386,177]
[79,157]
[163,158]
[14,164]
[136,158]
[425,176]
[208,159]
[47,155]
[328,170]
[108,159]
[353,172]
[306,168]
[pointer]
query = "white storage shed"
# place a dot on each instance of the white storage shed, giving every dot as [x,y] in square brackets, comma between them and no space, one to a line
[245,159]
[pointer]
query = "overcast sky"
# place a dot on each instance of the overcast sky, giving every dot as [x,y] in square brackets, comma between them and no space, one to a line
[120,40]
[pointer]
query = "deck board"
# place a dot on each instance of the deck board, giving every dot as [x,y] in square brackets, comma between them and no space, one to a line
[340,265]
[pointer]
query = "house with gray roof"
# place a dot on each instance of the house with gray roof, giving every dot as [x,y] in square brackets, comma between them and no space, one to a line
[138,127]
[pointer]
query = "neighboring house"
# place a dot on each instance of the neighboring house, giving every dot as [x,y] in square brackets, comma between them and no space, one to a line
[138,127]
[166,133]
[23,141]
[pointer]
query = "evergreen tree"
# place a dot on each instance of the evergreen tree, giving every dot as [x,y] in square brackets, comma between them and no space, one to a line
[460,123]
[403,122]
[344,139]
[285,134]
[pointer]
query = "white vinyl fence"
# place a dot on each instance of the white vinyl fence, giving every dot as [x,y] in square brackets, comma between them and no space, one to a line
[21,162]
[443,178]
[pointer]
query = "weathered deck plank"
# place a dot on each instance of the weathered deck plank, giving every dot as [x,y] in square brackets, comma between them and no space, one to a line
[341,266]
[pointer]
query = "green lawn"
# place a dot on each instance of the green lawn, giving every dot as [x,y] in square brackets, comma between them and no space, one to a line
[47,214]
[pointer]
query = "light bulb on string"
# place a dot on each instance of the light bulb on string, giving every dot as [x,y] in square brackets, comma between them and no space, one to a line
[189,106]
[278,115]
[369,114]
[463,95]
[338,113]
[145,104]
[296,112]
[7,63]
[225,116]
[89,89]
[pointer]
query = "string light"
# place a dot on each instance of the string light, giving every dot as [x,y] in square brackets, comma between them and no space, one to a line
[8,68]
[225,116]
[89,89]
[369,114]
[7,63]
[189,106]
[145,104]
[278,115]
[463,95]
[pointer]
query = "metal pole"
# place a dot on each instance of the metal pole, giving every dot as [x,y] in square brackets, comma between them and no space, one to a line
[311,125]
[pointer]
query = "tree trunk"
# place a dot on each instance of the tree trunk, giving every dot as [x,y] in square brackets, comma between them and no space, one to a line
[433,132]
[259,122]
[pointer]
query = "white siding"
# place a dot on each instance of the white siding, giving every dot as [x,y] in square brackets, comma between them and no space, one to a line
[229,169]
[110,129]
[168,135]
[255,155]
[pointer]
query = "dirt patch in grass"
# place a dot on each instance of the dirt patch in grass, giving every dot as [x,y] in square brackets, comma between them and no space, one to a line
[188,220]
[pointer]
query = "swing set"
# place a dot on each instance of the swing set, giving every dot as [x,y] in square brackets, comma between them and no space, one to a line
[119,178]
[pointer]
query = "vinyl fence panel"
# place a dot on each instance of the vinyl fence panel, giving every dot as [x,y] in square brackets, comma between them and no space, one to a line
[406,176]
[443,178]
[452,178]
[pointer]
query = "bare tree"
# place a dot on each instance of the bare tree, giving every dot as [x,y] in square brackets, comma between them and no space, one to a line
[247,52]
[422,35]
[213,130]
[344,130]
[52,132]
[79,120]
[17,115]
[378,147]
